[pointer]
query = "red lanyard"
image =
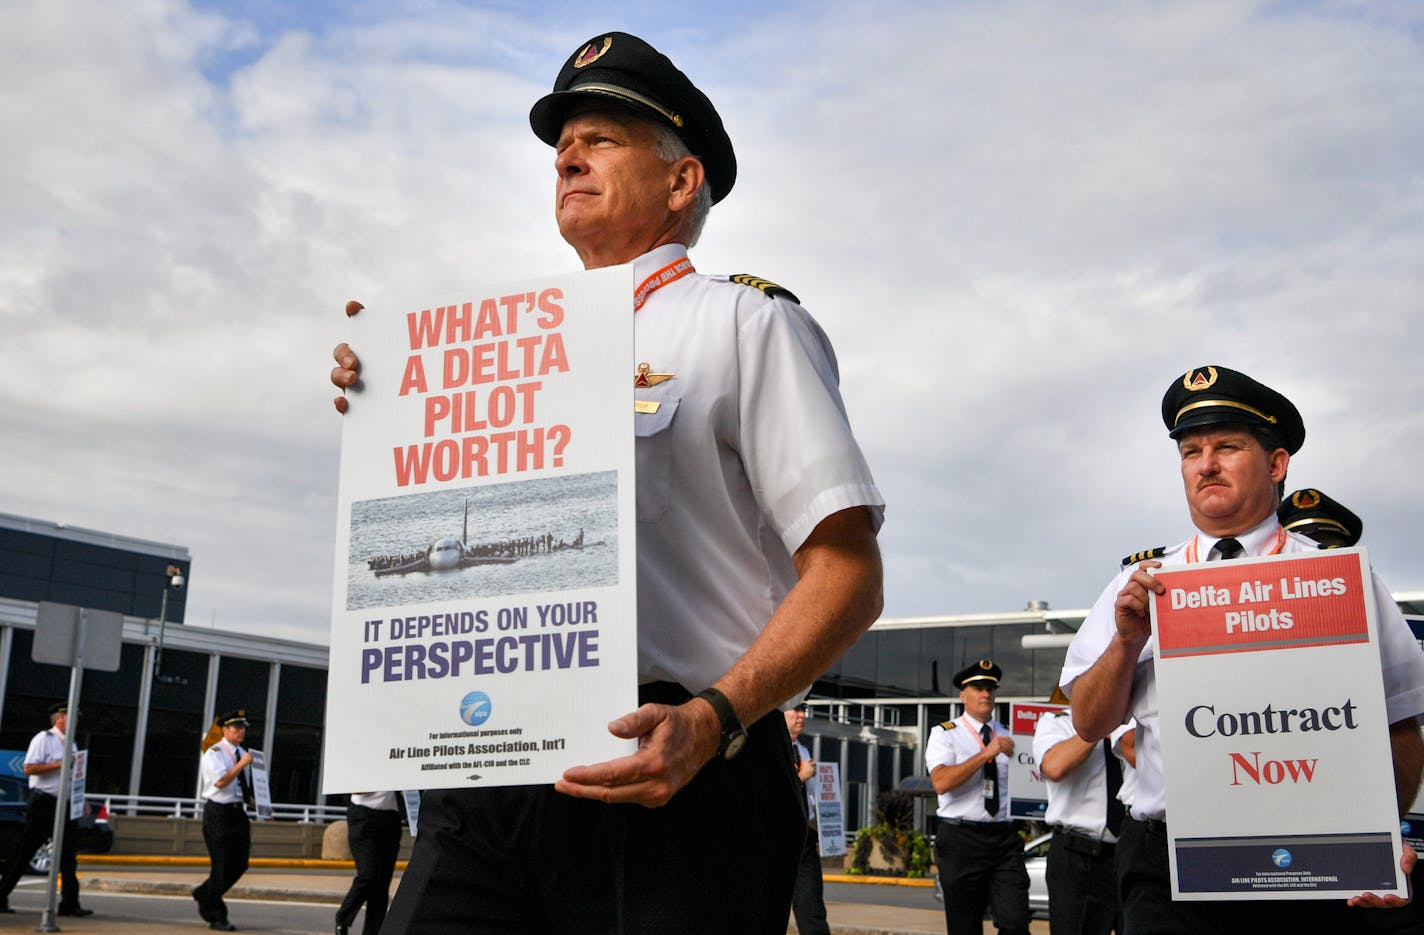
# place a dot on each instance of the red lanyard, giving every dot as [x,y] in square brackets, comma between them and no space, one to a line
[964,719]
[670,273]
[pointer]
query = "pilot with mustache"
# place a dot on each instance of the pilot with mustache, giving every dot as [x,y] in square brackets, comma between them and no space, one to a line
[1235,437]
[757,558]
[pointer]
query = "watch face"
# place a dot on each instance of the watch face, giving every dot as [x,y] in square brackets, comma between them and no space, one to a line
[735,744]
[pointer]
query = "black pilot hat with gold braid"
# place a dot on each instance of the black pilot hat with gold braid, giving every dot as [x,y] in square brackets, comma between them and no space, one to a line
[1313,514]
[1211,395]
[624,71]
[982,674]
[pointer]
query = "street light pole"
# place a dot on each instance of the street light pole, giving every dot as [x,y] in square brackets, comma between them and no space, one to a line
[174,583]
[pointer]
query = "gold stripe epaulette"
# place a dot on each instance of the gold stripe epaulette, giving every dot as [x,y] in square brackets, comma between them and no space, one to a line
[1144,555]
[765,285]
[948,725]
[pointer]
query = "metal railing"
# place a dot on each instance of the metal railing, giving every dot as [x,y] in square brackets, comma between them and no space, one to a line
[193,808]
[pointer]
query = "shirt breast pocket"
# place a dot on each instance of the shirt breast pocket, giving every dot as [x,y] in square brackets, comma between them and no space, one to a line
[654,456]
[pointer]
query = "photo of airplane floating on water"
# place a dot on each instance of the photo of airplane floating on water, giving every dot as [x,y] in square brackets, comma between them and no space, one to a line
[451,553]
[539,535]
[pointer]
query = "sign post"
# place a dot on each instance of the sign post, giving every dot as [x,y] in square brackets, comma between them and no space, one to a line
[65,635]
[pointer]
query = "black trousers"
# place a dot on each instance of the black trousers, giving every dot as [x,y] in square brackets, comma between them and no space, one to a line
[808,901]
[1145,881]
[375,837]
[228,836]
[39,827]
[719,858]
[1082,886]
[982,865]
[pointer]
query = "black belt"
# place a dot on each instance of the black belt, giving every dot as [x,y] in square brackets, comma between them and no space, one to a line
[980,825]
[210,803]
[1082,844]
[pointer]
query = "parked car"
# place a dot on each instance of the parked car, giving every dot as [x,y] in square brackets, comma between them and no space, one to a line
[1036,863]
[95,835]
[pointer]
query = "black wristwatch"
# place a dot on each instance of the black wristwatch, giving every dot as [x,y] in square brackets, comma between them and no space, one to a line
[734,735]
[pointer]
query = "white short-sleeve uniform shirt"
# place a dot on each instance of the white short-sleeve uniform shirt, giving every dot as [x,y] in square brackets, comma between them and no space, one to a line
[1078,801]
[948,746]
[740,454]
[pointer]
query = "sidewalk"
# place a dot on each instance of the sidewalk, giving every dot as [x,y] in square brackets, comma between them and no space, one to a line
[326,882]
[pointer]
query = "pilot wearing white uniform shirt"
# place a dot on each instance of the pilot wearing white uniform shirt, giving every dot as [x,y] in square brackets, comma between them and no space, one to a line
[977,851]
[757,561]
[1235,438]
[1084,810]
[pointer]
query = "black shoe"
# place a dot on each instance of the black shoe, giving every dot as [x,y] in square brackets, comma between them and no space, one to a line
[5,907]
[77,911]
[202,913]
[342,929]
[222,925]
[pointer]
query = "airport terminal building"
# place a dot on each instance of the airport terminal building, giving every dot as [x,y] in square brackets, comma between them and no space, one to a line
[142,724]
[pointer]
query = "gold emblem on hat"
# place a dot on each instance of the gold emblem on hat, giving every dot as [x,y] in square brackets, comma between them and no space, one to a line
[646,377]
[1199,379]
[590,54]
[1305,499]
[985,664]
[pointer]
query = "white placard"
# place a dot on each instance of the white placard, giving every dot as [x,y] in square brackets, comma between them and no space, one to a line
[1028,792]
[412,808]
[830,816]
[261,787]
[1275,737]
[77,781]
[484,621]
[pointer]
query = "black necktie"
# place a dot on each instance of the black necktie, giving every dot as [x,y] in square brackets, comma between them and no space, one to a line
[1229,548]
[991,775]
[1115,808]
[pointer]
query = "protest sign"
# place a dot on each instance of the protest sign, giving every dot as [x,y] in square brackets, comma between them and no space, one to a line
[261,786]
[1275,738]
[830,817]
[484,621]
[78,781]
[1028,792]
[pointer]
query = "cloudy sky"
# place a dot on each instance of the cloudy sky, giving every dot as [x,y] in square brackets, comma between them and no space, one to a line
[1018,222]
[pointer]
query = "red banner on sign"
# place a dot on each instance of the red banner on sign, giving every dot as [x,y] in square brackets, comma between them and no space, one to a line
[1317,599]
[1025,716]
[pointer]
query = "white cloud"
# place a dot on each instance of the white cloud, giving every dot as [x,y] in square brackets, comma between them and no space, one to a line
[1017,222]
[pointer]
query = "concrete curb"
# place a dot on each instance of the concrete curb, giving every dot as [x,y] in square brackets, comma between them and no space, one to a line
[94,861]
[871,880]
[262,863]
[267,893]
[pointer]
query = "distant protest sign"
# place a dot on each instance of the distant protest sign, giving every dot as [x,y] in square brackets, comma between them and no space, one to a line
[830,815]
[1275,738]
[1028,792]
[484,619]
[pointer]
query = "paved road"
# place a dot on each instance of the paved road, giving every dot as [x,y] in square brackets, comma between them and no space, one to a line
[132,899]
